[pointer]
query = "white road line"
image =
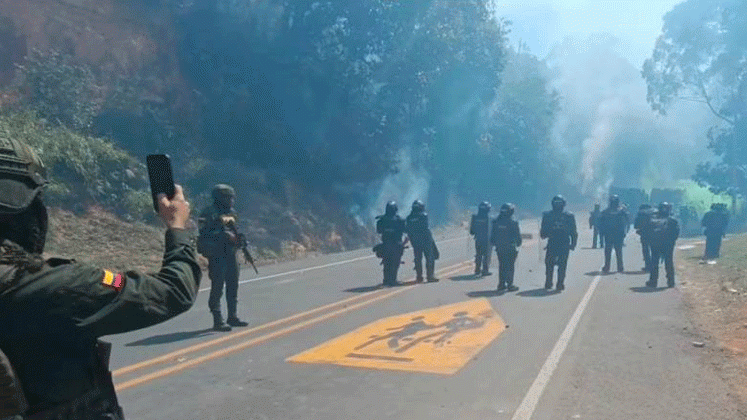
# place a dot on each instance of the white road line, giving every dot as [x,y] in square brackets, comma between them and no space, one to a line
[318,267]
[528,405]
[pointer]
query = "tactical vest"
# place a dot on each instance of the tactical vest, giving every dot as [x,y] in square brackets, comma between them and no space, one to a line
[480,227]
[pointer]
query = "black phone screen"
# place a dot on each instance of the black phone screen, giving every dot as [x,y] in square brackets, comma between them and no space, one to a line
[161,177]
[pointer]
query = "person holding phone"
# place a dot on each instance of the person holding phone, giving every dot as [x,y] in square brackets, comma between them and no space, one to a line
[53,311]
[218,242]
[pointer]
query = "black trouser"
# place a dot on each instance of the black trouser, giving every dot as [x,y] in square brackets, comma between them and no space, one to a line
[391,261]
[506,263]
[618,245]
[662,253]
[646,251]
[597,234]
[223,270]
[713,246]
[555,257]
[482,256]
[420,251]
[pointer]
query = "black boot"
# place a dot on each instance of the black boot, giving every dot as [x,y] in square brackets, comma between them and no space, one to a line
[234,321]
[218,324]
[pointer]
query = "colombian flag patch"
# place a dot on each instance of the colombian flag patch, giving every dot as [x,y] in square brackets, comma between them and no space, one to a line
[112,280]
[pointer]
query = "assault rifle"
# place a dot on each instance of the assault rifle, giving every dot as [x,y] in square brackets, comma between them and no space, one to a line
[243,246]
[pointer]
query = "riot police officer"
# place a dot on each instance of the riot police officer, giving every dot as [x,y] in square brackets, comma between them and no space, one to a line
[506,238]
[559,227]
[391,227]
[218,242]
[421,238]
[645,212]
[663,231]
[594,225]
[715,222]
[614,224]
[480,228]
[53,311]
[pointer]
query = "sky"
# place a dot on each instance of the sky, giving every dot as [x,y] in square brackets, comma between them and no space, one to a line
[540,24]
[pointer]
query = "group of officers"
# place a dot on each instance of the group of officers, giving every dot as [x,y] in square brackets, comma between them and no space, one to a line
[657,228]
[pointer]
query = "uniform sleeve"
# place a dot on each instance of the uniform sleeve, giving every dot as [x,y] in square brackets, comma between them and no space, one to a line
[518,233]
[543,227]
[144,299]
[494,232]
[574,232]
[472,226]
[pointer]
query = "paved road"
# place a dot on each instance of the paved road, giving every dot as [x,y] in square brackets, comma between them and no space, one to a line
[605,348]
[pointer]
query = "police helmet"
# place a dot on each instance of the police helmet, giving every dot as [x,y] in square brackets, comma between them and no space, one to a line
[484,207]
[507,209]
[558,202]
[391,208]
[418,205]
[644,206]
[222,192]
[665,209]
[22,176]
[614,200]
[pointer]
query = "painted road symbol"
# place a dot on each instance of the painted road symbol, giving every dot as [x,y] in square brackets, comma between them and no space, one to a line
[438,340]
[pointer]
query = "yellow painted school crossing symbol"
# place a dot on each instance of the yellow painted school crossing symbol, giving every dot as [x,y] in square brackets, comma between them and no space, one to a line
[439,340]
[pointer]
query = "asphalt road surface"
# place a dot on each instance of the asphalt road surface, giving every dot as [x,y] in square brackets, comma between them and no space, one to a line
[325,342]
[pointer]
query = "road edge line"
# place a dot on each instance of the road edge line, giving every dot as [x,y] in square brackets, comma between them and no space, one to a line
[529,404]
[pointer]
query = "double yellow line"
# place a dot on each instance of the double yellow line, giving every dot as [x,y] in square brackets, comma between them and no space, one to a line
[297,322]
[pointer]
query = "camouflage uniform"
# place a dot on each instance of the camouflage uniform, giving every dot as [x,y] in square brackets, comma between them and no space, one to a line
[54,311]
[217,224]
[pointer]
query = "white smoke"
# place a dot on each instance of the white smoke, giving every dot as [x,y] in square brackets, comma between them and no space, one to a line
[405,186]
[606,130]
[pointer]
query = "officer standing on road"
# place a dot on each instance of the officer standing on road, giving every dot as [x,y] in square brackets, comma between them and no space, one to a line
[218,242]
[559,227]
[53,311]
[421,238]
[645,212]
[480,228]
[391,227]
[594,224]
[506,238]
[715,222]
[614,224]
[663,230]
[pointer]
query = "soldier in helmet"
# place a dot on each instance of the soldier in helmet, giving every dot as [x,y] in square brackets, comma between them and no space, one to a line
[645,212]
[614,224]
[559,227]
[506,238]
[391,227]
[53,311]
[480,228]
[218,242]
[715,222]
[663,231]
[421,238]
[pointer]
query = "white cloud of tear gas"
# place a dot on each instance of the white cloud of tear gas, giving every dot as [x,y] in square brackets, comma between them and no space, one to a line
[405,186]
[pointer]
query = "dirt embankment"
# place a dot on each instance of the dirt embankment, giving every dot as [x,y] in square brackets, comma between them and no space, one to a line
[716,298]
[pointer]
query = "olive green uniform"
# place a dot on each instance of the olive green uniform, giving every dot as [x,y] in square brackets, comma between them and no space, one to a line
[52,319]
[223,266]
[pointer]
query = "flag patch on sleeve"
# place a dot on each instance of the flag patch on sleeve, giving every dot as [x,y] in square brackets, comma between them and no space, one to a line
[112,280]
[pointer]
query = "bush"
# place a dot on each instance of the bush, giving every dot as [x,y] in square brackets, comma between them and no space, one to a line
[82,169]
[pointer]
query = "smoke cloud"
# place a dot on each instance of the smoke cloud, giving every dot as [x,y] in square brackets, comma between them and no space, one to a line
[405,186]
[606,131]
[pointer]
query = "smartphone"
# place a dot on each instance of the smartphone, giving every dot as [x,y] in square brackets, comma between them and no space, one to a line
[161,177]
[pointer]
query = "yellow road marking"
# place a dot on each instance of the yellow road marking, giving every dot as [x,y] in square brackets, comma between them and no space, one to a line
[225,351]
[438,340]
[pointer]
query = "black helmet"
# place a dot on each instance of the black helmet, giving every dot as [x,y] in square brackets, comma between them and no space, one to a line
[22,176]
[391,208]
[614,200]
[507,209]
[558,202]
[484,207]
[665,209]
[418,206]
[644,206]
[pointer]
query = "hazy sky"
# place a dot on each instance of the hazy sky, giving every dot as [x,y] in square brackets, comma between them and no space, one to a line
[540,24]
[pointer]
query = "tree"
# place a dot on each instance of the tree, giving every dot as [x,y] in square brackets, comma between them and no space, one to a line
[702,56]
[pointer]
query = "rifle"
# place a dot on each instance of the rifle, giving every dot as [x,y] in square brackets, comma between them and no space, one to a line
[243,246]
